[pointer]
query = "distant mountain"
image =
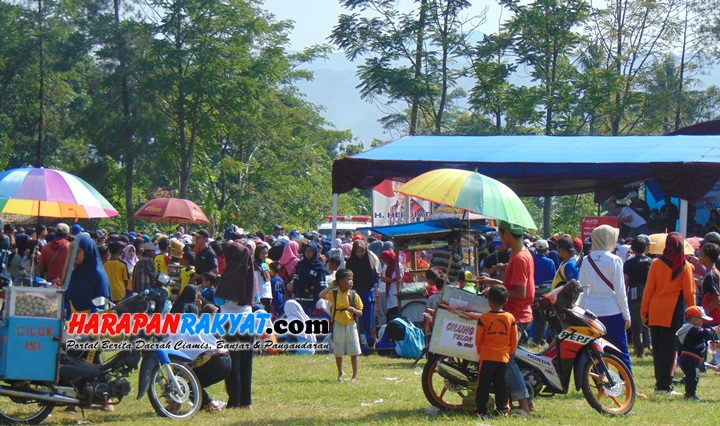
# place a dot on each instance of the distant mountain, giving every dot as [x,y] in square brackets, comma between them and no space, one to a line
[334,88]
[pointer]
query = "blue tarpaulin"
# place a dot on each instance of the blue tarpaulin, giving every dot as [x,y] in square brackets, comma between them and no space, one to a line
[682,166]
[428,227]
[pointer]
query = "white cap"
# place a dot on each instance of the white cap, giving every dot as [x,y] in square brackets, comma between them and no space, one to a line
[541,245]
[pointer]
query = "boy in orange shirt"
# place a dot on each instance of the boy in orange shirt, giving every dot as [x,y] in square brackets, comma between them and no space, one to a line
[496,337]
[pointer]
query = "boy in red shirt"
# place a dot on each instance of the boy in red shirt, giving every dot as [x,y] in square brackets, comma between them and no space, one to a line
[496,337]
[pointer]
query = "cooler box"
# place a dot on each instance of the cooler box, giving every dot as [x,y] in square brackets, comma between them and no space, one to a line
[462,300]
[30,334]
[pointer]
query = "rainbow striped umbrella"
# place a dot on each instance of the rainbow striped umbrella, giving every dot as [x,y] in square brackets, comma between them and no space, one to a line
[42,192]
[470,191]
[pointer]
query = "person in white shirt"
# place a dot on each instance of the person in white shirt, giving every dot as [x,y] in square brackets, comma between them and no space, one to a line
[604,293]
[626,216]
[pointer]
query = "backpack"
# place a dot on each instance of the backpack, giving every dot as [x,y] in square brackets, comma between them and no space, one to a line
[409,342]
[351,296]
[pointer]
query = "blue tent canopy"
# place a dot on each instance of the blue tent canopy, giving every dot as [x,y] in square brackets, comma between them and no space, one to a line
[428,227]
[682,166]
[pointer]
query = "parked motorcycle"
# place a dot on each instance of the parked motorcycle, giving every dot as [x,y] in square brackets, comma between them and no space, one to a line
[172,387]
[577,347]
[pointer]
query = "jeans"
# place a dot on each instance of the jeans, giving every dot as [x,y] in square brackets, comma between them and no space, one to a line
[639,333]
[515,381]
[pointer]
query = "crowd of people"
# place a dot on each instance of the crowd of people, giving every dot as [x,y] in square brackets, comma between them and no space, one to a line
[645,303]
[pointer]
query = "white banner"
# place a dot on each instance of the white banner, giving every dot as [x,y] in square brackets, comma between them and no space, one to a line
[389,206]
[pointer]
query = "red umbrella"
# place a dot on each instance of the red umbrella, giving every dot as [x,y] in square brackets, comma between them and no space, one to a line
[171,210]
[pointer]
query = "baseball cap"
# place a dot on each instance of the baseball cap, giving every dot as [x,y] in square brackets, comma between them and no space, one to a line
[76,229]
[647,240]
[541,245]
[467,276]
[577,244]
[277,227]
[514,229]
[202,233]
[711,237]
[696,311]
[62,229]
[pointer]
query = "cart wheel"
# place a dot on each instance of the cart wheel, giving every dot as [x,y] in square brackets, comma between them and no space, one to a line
[414,312]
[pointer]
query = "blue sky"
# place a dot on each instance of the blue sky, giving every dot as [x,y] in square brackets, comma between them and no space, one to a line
[314,19]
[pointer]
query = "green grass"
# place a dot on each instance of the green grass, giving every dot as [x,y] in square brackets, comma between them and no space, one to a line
[302,390]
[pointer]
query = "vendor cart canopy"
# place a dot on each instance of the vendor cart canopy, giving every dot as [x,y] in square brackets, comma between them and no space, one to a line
[429,227]
[683,166]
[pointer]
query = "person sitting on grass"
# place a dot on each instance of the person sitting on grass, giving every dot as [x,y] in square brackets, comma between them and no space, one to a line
[692,336]
[345,336]
[496,337]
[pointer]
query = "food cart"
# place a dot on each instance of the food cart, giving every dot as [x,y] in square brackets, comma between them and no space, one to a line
[413,243]
[30,333]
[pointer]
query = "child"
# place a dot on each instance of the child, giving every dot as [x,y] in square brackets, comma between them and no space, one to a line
[187,260]
[495,339]
[692,336]
[117,272]
[209,279]
[278,286]
[162,259]
[345,336]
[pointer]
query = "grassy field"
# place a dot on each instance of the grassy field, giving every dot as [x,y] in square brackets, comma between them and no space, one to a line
[303,390]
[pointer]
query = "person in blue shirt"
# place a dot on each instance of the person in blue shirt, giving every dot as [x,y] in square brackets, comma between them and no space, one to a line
[544,271]
[568,269]
[278,288]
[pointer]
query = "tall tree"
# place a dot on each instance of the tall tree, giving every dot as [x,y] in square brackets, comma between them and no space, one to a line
[409,58]
[632,33]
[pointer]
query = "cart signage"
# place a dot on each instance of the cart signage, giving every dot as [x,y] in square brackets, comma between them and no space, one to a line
[458,334]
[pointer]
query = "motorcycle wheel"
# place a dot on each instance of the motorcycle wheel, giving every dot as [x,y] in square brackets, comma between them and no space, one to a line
[440,392]
[616,400]
[17,410]
[182,403]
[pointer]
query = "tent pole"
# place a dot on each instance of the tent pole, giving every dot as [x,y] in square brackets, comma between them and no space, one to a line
[334,219]
[408,211]
[683,216]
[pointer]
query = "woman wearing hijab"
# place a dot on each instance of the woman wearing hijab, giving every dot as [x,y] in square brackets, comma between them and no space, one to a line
[236,289]
[88,279]
[364,280]
[262,276]
[388,290]
[130,258]
[187,301]
[294,311]
[604,288]
[290,258]
[310,281]
[669,283]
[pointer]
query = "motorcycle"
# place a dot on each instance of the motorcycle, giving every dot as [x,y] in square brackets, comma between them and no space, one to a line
[577,349]
[172,387]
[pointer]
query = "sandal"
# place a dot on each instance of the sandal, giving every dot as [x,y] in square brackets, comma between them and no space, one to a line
[212,406]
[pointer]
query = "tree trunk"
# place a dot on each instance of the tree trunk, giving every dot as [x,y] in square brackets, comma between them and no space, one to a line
[41,94]
[418,68]
[126,130]
[547,216]
[682,71]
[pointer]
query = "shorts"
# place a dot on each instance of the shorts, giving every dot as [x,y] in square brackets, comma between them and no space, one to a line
[346,340]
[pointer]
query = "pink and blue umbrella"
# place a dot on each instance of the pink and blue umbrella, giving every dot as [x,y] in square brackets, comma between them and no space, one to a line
[52,193]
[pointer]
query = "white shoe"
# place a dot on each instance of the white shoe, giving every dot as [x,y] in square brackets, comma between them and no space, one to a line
[667,392]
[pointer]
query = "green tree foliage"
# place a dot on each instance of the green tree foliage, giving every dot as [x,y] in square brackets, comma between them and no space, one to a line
[409,59]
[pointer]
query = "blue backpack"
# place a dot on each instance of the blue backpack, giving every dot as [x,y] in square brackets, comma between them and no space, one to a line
[412,343]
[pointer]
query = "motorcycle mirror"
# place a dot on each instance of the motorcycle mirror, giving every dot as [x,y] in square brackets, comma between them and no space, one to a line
[100,301]
[163,278]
